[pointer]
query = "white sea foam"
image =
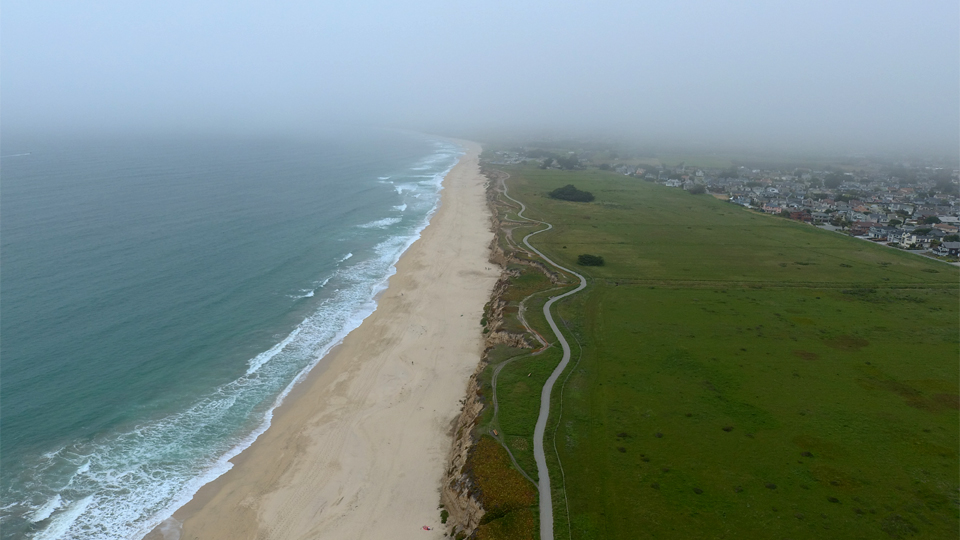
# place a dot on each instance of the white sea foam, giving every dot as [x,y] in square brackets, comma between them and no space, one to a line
[63,521]
[54,453]
[127,483]
[383,178]
[381,223]
[47,509]
[170,529]
[345,257]
[303,293]
[258,361]
[400,207]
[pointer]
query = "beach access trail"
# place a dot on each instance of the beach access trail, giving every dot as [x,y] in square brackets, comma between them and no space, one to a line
[359,448]
[543,475]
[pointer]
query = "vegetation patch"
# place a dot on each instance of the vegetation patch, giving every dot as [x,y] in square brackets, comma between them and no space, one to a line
[521,524]
[571,193]
[502,491]
[806,355]
[847,343]
[589,260]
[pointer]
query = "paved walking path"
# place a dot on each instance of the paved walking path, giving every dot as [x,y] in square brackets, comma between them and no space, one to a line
[546,498]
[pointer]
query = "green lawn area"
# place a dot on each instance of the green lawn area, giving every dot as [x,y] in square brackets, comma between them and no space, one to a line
[743,376]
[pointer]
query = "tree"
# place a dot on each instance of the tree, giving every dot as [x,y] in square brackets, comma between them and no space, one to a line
[895,222]
[930,220]
[833,181]
[571,193]
[604,166]
[840,221]
[697,189]
[589,260]
[952,238]
[546,162]
[568,162]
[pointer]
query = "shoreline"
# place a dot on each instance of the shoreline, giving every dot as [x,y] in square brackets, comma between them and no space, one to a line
[358,446]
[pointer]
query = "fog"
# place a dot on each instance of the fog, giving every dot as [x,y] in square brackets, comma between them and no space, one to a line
[853,75]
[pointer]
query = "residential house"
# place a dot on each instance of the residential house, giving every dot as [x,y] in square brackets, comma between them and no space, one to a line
[948,249]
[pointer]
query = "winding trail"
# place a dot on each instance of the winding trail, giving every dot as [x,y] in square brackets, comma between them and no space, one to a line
[543,475]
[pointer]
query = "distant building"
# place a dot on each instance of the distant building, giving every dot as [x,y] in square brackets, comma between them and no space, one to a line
[948,249]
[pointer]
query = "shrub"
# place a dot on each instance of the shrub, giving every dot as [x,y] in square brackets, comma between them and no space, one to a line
[589,260]
[570,193]
[443,516]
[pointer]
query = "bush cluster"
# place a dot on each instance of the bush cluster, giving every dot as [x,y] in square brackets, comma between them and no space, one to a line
[589,260]
[570,193]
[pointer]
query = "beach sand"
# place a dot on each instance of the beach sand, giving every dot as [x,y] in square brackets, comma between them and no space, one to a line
[358,449]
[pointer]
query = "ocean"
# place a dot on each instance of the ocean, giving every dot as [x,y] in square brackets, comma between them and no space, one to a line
[160,296]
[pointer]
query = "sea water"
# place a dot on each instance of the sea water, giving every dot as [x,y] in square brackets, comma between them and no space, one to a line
[160,297]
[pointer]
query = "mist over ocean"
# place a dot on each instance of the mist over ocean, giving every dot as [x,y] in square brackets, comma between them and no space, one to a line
[160,296]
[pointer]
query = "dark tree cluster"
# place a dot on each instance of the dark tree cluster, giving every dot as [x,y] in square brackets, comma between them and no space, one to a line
[570,161]
[570,193]
[589,260]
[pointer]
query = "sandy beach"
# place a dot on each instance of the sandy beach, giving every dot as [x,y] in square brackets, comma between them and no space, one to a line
[358,449]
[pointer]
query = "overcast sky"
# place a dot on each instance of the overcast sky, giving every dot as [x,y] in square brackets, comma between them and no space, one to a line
[847,74]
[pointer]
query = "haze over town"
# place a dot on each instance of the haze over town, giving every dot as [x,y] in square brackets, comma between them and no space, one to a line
[847,76]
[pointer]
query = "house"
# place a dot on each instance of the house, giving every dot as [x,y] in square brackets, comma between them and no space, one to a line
[913,240]
[820,217]
[879,233]
[861,228]
[948,249]
[949,220]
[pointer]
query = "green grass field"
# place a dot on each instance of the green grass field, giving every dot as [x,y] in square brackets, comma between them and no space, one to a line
[743,376]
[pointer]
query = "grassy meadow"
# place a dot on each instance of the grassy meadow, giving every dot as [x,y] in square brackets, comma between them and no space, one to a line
[742,376]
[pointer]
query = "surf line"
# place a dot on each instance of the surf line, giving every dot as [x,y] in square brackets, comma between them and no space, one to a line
[543,475]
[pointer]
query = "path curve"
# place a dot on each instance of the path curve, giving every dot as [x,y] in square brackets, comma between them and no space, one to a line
[543,475]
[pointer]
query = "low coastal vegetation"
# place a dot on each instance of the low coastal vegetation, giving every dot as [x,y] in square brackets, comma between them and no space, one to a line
[741,375]
[508,498]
